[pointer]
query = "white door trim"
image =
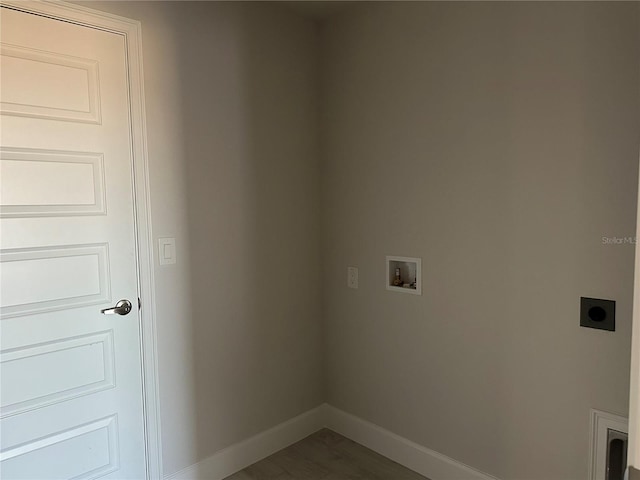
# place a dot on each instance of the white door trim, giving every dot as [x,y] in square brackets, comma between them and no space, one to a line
[131,30]
[633,455]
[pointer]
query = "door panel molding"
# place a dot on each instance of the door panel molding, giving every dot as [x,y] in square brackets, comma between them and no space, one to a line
[81,78]
[100,433]
[59,199]
[132,33]
[93,350]
[83,270]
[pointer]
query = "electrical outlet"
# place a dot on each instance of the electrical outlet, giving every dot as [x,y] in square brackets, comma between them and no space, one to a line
[598,313]
[352,277]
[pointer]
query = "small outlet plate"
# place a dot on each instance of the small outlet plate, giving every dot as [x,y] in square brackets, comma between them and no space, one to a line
[352,277]
[598,313]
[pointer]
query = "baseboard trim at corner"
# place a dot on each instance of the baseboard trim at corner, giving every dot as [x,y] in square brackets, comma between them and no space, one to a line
[426,462]
[247,452]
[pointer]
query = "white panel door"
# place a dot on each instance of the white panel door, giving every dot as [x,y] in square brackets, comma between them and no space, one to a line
[71,389]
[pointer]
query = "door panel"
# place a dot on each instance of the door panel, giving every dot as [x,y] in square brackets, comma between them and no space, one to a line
[57,277]
[87,359]
[70,92]
[94,446]
[25,190]
[71,389]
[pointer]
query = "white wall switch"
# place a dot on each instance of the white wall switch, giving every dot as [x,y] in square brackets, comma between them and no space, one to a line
[167,251]
[352,277]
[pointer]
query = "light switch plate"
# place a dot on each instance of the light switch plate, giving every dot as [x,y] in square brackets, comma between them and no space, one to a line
[352,277]
[167,250]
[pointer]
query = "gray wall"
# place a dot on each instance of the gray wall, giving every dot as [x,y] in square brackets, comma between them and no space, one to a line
[231,96]
[499,143]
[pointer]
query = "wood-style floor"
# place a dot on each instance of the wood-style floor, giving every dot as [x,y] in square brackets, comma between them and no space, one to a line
[326,455]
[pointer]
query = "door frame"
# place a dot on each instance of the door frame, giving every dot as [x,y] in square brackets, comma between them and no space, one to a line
[131,30]
[633,456]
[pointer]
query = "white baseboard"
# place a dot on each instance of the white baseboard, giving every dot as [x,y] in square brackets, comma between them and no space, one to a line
[420,459]
[242,454]
[228,461]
